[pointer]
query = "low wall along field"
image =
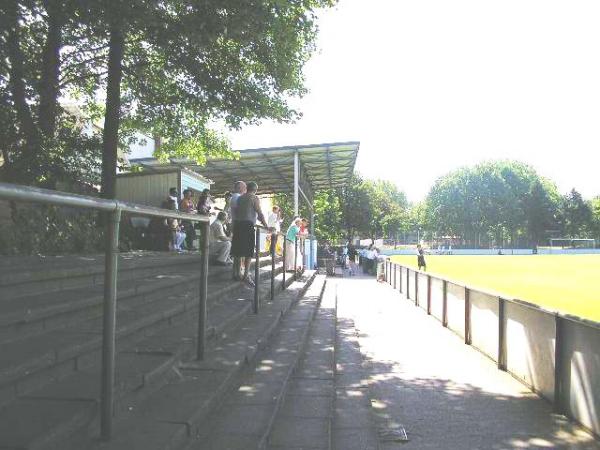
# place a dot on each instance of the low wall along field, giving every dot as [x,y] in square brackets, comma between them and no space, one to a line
[566,283]
[520,311]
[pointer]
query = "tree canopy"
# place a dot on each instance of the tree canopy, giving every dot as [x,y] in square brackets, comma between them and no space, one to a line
[166,67]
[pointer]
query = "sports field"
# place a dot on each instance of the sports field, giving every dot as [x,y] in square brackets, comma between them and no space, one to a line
[565,283]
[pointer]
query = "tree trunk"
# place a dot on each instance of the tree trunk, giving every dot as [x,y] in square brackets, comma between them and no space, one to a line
[26,125]
[112,114]
[50,70]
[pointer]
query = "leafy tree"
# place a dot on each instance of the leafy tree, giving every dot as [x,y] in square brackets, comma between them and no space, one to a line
[492,202]
[34,40]
[595,205]
[541,206]
[577,215]
[178,66]
[167,67]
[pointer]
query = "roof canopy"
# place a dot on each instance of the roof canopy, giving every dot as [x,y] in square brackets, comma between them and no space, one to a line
[320,166]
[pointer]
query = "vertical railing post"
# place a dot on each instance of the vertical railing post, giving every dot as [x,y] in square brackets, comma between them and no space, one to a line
[204,250]
[296,259]
[416,288]
[401,289]
[273,253]
[558,366]
[284,260]
[502,364]
[429,294]
[408,283]
[109,319]
[255,306]
[444,303]
[467,316]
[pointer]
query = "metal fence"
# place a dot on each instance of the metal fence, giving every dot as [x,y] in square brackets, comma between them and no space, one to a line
[113,210]
[556,355]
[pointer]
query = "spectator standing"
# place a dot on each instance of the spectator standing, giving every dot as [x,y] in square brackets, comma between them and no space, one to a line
[204,203]
[176,234]
[247,212]
[187,206]
[352,255]
[227,211]
[220,243]
[292,233]
[239,189]
[274,223]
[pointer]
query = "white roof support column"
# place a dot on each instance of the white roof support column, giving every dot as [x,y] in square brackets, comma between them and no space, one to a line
[296,183]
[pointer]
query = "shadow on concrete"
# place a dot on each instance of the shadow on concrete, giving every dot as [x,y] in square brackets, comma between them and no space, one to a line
[439,413]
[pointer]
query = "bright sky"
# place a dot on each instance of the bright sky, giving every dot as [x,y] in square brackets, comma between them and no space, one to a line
[430,85]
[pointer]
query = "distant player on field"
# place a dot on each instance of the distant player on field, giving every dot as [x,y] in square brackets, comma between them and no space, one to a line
[421,257]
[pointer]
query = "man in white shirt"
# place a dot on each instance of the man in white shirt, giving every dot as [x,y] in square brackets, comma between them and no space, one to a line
[274,224]
[274,220]
[220,243]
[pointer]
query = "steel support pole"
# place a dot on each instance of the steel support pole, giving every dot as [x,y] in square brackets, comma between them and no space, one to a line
[257,273]
[204,249]
[109,320]
[273,245]
[284,260]
[296,184]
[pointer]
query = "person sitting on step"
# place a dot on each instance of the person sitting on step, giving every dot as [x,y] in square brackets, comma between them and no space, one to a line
[220,243]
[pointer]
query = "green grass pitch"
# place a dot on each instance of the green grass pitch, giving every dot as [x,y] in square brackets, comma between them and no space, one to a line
[566,283]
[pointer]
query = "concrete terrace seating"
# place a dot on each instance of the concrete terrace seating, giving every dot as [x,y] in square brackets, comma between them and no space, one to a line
[50,336]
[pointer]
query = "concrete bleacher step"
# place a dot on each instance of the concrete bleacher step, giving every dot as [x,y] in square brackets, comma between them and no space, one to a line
[247,415]
[61,367]
[174,414]
[23,276]
[63,350]
[43,311]
[306,415]
[354,425]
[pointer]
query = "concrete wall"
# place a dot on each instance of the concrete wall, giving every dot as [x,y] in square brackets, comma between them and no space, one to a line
[422,301]
[484,323]
[530,340]
[437,298]
[411,284]
[456,308]
[529,346]
[580,371]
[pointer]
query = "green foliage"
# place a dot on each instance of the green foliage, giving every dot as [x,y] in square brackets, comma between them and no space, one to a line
[493,202]
[595,206]
[577,215]
[50,230]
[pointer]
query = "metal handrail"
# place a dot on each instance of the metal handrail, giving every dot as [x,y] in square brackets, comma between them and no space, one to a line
[37,195]
[268,230]
[114,208]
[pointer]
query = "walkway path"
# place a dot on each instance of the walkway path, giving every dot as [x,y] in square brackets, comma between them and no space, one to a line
[445,394]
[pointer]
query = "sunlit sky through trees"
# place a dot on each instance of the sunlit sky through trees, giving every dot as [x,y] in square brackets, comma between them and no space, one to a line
[431,85]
